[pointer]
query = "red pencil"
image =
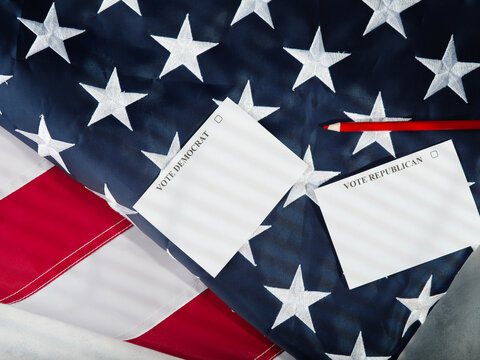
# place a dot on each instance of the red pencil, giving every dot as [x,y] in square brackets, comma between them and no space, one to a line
[404,125]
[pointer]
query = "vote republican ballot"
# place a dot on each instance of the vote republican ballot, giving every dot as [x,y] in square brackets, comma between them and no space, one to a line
[384,172]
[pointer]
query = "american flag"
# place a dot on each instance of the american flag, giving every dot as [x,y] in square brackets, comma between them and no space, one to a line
[67,255]
[110,89]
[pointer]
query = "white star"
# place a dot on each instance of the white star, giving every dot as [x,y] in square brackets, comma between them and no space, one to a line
[162,160]
[388,11]
[246,103]
[46,145]
[183,50]
[296,301]
[369,137]
[50,34]
[448,71]
[420,306]
[310,180]
[316,61]
[471,183]
[259,7]
[3,80]
[246,250]
[132,4]
[112,101]
[108,197]
[358,352]
[114,204]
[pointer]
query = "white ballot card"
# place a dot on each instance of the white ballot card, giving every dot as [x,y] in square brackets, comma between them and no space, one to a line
[400,214]
[220,186]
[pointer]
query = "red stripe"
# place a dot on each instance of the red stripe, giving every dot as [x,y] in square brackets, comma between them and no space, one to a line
[46,227]
[53,222]
[271,353]
[206,328]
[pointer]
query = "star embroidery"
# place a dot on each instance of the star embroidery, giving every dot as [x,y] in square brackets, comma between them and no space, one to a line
[448,71]
[246,250]
[112,101]
[3,80]
[162,160]
[420,306]
[183,50]
[310,180]
[296,301]
[246,103]
[259,7]
[388,11]
[50,34]
[369,137]
[358,352]
[316,62]
[46,145]
[132,4]
[108,197]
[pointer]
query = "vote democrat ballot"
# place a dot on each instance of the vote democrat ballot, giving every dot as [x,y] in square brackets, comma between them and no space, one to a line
[221,185]
[400,214]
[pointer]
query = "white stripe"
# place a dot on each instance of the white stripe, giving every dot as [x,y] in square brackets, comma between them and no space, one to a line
[18,164]
[28,336]
[284,356]
[122,290]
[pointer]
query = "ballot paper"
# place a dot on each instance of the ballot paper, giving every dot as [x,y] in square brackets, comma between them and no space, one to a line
[400,214]
[220,186]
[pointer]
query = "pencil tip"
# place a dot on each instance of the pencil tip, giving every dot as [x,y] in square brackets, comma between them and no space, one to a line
[333,127]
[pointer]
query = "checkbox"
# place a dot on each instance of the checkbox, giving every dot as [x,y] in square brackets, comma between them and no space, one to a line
[434,154]
[218,119]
